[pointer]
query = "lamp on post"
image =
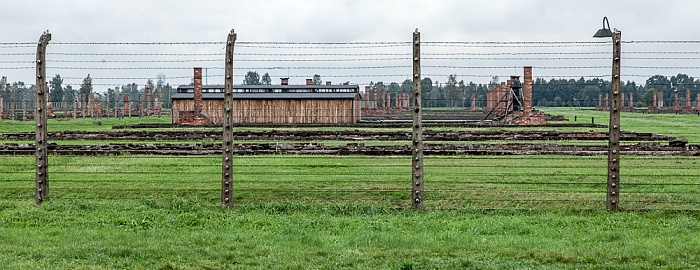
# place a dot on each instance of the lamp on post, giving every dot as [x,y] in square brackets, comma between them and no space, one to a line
[613,183]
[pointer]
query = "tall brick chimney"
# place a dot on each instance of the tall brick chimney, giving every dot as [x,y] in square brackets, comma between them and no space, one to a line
[631,99]
[676,104]
[367,97]
[149,104]
[527,88]
[198,89]
[374,98]
[127,106]
[622,99]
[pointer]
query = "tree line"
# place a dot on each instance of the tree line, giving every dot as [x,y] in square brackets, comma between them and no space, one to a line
[450,93]
[579,92]
[63,96]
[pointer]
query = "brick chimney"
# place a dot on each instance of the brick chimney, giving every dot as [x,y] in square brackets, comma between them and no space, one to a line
[367,97]
[309,81]
[622,99]
[284,81]
[149,104]
[527,88]
[198,89]
[374,98]
[631,99]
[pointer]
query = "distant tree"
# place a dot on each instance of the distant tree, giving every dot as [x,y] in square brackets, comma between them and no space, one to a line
[316,80]
[56,86]
[648,97]
[588,96]
[452,93]
[86,88]
[252,78]
[150,84]
[266,80]
[111,97]
[69,93]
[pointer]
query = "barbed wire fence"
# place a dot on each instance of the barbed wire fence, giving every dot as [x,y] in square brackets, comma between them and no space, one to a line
[460,180]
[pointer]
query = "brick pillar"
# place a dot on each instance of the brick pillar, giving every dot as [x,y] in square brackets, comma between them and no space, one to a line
[198,90]
[398,100]
[90,108]
[661,99]
[676,104]
[600,99]
[96,109]
[655,102]
[388,99]
[382,95]
[2,107]
[473,107]
[159,107]
[149,104]
[375,98]
[367,94]
[407,100]
[607,98]
[632,100]
[697,102]
[622,99]
[687,98]
[127,106]
[527,88]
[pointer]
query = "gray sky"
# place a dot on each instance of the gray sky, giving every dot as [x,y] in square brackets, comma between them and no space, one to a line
[342,21]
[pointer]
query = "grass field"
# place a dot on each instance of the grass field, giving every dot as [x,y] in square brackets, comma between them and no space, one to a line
[352,212]
[328,212]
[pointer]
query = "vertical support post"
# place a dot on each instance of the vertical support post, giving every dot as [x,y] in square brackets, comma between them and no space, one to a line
[227,146]
[42,162]
[417,146]
[613,185]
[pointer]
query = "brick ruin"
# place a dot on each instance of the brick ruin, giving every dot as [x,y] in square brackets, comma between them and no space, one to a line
[377,101]
[657,105]
[511,101]
[3,113]
[196,116]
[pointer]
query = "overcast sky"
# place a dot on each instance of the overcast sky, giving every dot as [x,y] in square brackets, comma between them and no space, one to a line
[339,21]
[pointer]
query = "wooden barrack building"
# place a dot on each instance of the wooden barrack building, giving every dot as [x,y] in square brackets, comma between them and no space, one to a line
[270,104]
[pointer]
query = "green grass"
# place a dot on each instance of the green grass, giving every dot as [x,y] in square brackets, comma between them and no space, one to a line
[452,182]
[353,212]
[86,124]
[179,233]
[682,126]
